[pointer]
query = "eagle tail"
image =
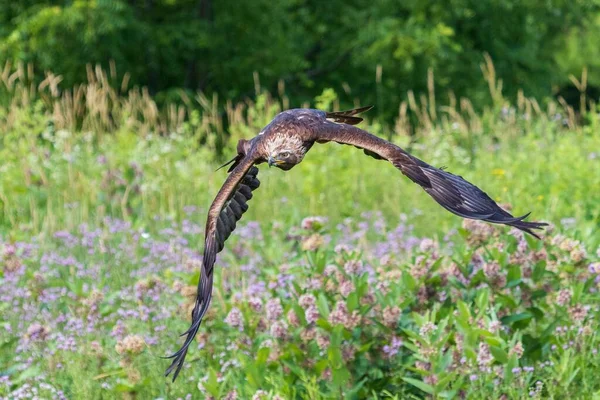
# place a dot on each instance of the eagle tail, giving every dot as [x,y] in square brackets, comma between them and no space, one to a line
[348,116]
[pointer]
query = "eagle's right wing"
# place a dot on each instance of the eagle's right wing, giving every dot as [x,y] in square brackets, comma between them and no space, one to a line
[452,192]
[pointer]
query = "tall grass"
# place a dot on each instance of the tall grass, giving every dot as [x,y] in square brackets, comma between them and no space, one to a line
[102,148]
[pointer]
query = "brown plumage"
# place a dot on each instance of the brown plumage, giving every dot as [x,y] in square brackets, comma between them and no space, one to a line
[284,143]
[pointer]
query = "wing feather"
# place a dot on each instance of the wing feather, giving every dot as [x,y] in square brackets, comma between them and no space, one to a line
[227,208]
[451,191]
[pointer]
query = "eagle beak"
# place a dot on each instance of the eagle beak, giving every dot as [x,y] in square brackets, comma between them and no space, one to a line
[271,161]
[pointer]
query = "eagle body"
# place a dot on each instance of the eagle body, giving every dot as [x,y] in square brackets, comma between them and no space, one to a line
[284,143]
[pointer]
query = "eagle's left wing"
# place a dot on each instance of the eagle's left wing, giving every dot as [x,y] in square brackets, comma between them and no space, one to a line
[226,209]
[452,192]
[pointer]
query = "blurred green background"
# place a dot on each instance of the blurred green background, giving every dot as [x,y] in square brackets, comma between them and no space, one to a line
[369,50]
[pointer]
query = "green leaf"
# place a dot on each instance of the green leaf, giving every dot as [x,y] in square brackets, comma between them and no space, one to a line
[340,376]
[482,300]
[352,301]
[509,319]
[409,282]
[420,384]
[499,354]
[322,305]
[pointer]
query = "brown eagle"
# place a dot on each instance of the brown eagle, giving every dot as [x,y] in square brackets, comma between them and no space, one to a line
[283,144]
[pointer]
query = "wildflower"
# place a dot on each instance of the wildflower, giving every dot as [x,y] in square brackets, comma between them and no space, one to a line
[346,287]
[312,242]
[422,294]
[255,303]
[495,326]
[392,349]
[587,330]
[479,232]
[473,377]
[186,291]
[491,269]
[133,344]
[231,395]
[427,328]
[340,315]
[567,244]
[259,395]
[426,245]
[307,300]
[12,264]
[391,316]
[563,297]
[235,319]
[95,348]
[517,350]
[313,223]
[37,332]
[330,270]
[484,357]
[312,314]
[540,255]
[322,340]
[308,334]
[367,299]
[578,313]
[95,297]
[431,379]
[293,318]
[420,268]
[274,309]
[133,375]
[342,248]
[353,267]
[422,365]
[314,283]
[279,330]
[578,254]
[348,352]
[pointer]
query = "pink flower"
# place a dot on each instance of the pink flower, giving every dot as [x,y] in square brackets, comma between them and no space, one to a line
[293,318]
[274,309]
[313,223]
[279,330]
[563,297]
[235,319]
[307,300]
[255,303]
[353,267]
[346,288]
[312,314]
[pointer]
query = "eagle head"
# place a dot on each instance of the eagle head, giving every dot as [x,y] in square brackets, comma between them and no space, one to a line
[284,152]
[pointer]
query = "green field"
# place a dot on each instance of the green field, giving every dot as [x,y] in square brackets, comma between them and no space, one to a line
[103,200]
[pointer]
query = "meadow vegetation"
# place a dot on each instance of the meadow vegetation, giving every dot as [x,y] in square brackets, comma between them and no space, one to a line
[343,279]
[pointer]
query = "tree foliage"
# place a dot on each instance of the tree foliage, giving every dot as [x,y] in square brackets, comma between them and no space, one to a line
[216,46]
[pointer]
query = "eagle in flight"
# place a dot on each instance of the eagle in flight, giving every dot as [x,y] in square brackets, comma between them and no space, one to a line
[283,143]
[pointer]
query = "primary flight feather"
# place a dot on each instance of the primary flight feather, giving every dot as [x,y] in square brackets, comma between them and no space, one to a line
[283,144]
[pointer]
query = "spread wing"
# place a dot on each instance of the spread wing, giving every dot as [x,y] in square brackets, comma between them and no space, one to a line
[226,209]
[451,191]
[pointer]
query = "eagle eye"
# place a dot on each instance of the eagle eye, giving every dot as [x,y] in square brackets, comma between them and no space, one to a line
[284,154]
